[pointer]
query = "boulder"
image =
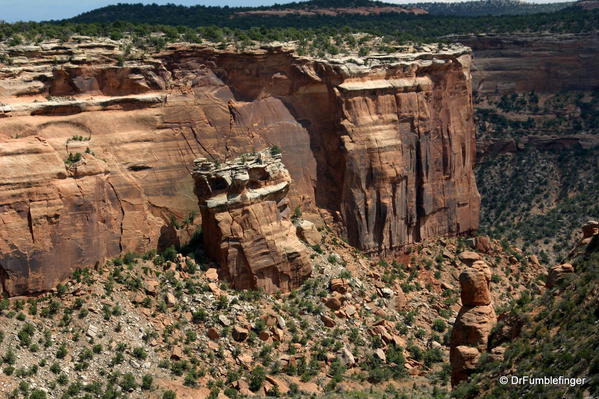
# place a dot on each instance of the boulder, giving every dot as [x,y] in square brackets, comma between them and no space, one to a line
[340,285]
[264,335]
[469,257]
[177,353]
[400,300]
[152,286]
[213,333]
[171,300]
[212,274]
[380,354]
[333,303]
[215,289]
[328,322]
[308,232]
[346,357]
[240,334]
[474,288]
[483,244]
[279,384]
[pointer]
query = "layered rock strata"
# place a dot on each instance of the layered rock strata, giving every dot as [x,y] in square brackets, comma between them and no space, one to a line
[543,62]
[246,222]
[474,322]
[382,146]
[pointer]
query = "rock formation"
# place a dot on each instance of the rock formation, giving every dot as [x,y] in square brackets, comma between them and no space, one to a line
[382,146]
[557,273]
[590,229]
[246,222]
[474,322]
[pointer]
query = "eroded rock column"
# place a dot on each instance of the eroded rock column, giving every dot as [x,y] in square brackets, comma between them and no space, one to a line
[474,322]
[246,222]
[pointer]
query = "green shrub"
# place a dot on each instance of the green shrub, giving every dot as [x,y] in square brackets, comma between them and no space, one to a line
[146,382]
[275,150]
[169,395]
[439,325]
[257,377]
[37,394]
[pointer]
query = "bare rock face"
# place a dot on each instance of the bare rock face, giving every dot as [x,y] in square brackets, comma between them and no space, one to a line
[246,222]
[473,325]
[407,161]
[384,147]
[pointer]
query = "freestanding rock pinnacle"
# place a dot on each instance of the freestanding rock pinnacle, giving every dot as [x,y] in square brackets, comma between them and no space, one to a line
[474,322]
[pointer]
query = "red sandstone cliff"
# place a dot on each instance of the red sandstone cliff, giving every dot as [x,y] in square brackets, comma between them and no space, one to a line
[386,149]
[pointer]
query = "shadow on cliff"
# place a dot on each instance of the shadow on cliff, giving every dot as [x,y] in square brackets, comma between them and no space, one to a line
[185,243]
[3,278]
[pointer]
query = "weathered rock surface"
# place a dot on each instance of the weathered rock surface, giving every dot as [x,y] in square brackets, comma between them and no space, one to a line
[246,222]
[475,288]
[386,149]
[473,324]
[307,231]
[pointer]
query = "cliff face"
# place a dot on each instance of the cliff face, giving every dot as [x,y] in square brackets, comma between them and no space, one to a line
[393,146]
[545,63]
[385,150]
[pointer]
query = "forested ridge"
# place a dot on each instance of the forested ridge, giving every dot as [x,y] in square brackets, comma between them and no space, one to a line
[215,24]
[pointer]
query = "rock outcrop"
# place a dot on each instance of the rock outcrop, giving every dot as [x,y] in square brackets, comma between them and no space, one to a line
[558,273]
[383,147]
[246,222]
[474,322]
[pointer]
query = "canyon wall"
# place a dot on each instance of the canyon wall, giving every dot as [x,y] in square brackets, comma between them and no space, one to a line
[97,153]
[544,63]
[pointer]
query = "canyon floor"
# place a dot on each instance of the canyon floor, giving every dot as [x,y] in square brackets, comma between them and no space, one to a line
[140,326]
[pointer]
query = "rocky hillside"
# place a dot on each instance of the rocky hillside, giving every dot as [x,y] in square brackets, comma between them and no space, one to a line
[165,325]
[538,137]
[550,335]
[99,138]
